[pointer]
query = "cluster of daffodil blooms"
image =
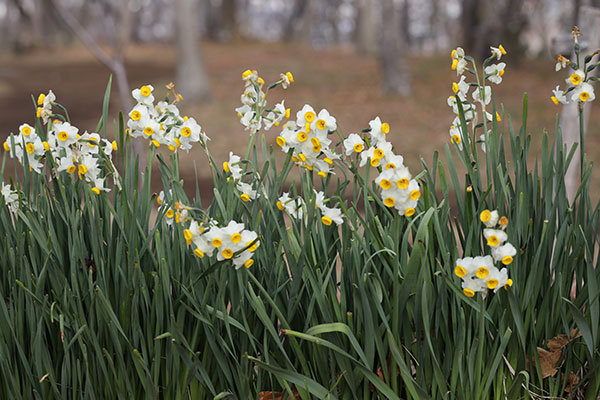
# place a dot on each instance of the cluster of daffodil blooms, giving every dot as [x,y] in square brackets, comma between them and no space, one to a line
[231,242]
[233,166]
[295,207]
[86,156]
[579,88]
[398,189]
[10,196]
[253,113]
[162,123]
[481,94]
[307,137]
[480,273]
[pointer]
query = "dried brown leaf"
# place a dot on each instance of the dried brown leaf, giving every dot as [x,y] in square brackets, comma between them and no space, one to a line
[548,361]
[558,342]
[573,381]
[267,395]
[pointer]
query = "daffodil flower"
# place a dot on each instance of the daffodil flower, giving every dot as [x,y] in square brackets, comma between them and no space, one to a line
[494,72]
[11,197]
[489,218]
[504,253]
[558,96]
[583,93]
[494,237]
[246,190]
[378,130]
[576,78]
[233,166]
[286,79]
[144,95]
[498,52]
[487,95]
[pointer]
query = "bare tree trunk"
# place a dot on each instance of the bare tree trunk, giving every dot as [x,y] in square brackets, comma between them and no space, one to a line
[396,76]
[589,24]
[305,33]
[469,22]
[115,63]
[20,40]
[405,22]
[299,23]
[191,75]
[333,11]
[229,16]
[289,31]
[366,35]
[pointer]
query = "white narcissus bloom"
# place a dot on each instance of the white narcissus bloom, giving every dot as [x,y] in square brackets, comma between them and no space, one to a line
[251,96]
[331,215]
[489,218]
[558,96]
[233,166]
[294,207]
[498,52]
[286,79]
[459,64]
[247,192]
[189,132]
[461,88]
[243,109]
[45,111]
[150,128]
[483,265]
[275,116]
[305,116]
[251,121]
[504,253]
[498,279]
[494,72]
[89,143]
[26,129]
[456,136]
[144,95]
[325,122]
[583,93]
[137,115]
[494,237]
[393,161]
[11,197]
[249,76]
[472,285]
[452,102]
[465,267]
[576,78]
[65,133]
[378,130]
[368,155]
[487,95]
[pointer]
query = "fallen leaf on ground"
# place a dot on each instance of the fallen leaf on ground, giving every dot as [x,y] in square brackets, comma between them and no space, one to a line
[278,395]
[549,358]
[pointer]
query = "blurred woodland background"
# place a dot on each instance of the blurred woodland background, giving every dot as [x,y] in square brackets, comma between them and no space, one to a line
[357,58]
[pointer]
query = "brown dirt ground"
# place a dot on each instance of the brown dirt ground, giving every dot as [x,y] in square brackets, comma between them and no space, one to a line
[338,79]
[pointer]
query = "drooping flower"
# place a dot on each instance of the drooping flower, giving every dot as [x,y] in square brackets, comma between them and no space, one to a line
[558,96]
[498,52]
[286,79]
